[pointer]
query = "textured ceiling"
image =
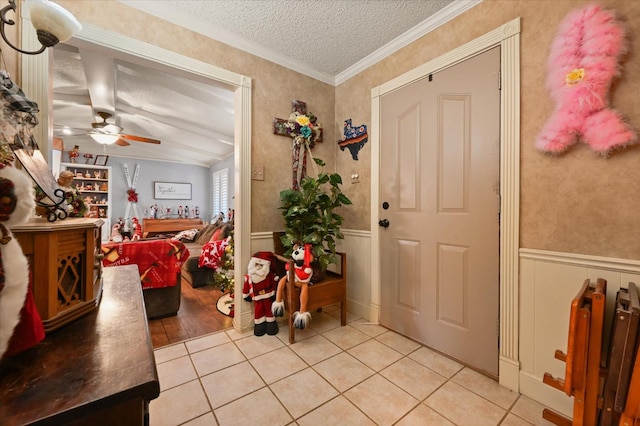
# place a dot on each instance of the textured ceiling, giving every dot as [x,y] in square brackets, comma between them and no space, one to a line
[322,38]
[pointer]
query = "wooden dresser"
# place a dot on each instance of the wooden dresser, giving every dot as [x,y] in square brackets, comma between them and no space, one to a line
[97,370]
[160,226]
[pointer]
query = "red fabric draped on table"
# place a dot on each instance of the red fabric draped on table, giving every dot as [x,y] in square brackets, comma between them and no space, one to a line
[158,260]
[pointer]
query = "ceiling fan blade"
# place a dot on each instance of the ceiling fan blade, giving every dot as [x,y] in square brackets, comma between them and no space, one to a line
[122,142]
[139,139]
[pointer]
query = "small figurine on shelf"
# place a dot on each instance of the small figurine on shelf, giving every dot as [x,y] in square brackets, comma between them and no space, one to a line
[180,212]
[76,205]
[116,236]
[88,157]
[96,174]
[74,154]
[186,212]
[137,229]
[197,212]
[87,174]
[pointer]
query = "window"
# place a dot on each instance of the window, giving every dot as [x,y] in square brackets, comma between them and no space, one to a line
[220,192]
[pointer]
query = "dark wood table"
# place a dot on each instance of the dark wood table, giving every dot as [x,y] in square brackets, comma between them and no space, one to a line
[97,370]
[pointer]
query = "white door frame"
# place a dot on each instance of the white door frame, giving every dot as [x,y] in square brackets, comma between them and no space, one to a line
[36,82]
[507,37]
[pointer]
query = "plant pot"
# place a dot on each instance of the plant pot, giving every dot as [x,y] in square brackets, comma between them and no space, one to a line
[318,273]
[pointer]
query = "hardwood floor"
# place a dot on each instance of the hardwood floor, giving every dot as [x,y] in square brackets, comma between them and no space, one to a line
[196,317]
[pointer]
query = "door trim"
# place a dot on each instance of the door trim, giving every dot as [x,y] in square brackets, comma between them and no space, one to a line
[35,72]
[507,37]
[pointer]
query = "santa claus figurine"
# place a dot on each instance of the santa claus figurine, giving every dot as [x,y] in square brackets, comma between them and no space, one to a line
[260,287]
[20,324]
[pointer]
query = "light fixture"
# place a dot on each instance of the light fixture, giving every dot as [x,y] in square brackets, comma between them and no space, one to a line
[52,22]
[104,139]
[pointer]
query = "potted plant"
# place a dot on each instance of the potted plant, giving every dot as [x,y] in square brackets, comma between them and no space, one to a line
[310,216]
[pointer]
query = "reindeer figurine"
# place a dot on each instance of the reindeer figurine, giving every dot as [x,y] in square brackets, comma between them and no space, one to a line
[302,258]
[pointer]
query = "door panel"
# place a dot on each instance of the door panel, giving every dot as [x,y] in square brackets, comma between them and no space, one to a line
[440,176]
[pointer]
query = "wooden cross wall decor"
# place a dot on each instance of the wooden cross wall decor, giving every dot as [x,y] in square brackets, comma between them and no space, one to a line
[289,127]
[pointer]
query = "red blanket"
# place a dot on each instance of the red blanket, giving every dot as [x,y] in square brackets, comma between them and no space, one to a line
[159,261]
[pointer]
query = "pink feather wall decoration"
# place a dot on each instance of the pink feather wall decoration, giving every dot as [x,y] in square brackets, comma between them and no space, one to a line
[584,58]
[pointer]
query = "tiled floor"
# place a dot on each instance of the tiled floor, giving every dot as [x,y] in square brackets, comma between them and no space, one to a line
[361,374]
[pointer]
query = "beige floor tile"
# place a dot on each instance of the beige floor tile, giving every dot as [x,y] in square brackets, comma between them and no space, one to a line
[375,354]
[236,335]
[175,372]
[413,377]
[257,408]
[346,337]
[464,407]
[343,371]
[423,415]
[278,364]
[338,411]
[283,333]
[168,353]
[368,328]
[398,342]
[178,405]
[216,358]
[512,420]
[384,402]
[322,322]
[207,342]
[530,410]
[303,392]
[254,346]
[205,420]
[315,349]
[438,363]
[231,383]
[486,387]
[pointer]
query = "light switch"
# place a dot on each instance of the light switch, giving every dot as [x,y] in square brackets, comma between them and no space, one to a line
[257,172]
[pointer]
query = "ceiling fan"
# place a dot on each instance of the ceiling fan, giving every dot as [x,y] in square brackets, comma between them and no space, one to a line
[106,133]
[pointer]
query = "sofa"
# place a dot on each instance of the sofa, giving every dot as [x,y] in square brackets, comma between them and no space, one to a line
[191,272]
[159,263]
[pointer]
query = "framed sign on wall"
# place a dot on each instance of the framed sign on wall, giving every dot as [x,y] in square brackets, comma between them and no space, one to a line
[171,191]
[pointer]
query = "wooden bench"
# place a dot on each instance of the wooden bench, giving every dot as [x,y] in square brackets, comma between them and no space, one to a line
[583,357]
[332,289]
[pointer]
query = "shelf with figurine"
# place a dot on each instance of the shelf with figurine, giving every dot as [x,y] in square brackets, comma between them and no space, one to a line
[93,183]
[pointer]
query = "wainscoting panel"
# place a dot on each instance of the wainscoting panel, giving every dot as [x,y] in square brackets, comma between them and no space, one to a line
[357,245]
[548,283]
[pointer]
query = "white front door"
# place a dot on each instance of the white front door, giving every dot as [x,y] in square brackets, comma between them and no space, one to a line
[439,192]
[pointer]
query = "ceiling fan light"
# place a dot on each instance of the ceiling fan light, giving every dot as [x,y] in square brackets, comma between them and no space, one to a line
[51,19]
[104,139]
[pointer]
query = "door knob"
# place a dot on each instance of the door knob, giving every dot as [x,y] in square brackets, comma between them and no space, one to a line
[384,223]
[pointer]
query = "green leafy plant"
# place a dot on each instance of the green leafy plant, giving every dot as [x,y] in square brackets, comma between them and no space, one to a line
[310,217]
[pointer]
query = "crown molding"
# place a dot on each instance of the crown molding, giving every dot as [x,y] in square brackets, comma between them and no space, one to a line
[436,20]
[163,11]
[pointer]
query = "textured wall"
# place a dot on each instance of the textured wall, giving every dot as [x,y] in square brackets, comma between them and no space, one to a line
[578,202]
[274,87]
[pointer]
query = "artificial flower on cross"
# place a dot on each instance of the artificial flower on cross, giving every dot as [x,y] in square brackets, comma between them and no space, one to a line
[305,131]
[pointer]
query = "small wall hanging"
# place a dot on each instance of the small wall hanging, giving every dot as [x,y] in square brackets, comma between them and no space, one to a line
[354,138]
[584,58]
[305,130]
